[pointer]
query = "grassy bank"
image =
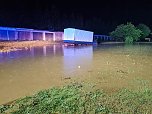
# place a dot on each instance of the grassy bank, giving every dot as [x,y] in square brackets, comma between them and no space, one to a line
[78,99]
[15,45]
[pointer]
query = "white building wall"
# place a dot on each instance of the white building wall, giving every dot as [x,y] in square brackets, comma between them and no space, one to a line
[69,34]
[78,35]
[84,36]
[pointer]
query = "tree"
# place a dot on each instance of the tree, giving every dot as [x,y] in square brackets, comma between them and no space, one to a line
[145,30]
[128,33]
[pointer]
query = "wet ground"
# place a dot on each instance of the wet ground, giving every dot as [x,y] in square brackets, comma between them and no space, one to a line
[7,46]
[109,66]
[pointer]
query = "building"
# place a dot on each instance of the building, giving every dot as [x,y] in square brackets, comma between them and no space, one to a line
[103,38]
[76,36]
[24,34]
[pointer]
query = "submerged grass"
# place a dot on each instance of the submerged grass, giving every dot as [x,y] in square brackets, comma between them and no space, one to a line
[75,99]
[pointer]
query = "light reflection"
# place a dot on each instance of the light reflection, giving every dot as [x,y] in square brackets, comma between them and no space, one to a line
[77,58]
[44,50]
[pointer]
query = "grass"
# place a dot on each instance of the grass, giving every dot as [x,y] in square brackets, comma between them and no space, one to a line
[76,99]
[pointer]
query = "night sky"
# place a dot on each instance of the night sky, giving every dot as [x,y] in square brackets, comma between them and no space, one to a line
[101,17]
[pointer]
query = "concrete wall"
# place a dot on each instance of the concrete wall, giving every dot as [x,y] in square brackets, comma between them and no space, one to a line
[49,36]
[37,36]
[22,34]
[3,35]
[7,35]
[103,38]
[59,36]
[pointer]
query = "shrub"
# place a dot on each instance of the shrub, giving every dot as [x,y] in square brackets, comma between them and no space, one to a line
[145,30]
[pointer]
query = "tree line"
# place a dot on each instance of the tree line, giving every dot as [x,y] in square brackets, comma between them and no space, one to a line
[131,33]
[54,19]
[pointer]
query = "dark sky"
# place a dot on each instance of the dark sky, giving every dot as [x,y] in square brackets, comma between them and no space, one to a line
[26,13]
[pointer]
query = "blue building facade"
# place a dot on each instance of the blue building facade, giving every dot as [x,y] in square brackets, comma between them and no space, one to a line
[24,34]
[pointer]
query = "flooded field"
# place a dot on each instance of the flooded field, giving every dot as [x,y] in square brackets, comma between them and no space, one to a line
[109,67]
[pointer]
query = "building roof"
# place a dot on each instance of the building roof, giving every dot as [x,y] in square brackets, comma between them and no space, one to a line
[11,28]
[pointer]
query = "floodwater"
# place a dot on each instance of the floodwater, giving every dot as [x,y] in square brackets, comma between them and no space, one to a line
[110,67]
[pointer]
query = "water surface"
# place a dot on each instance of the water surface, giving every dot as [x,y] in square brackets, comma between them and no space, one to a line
[110,67]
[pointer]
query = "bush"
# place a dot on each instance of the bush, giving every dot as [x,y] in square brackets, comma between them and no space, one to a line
[129,40]
[145,30]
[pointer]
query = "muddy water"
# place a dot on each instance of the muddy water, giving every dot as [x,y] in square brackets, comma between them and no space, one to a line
[110,67]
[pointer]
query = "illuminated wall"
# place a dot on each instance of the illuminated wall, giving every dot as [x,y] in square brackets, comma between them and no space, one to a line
[59,36]
[3,35]
[77,36]
[49,36]
[37,36]
[23,34]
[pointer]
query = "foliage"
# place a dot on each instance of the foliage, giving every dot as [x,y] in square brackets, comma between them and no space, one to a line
[67,100]
[145,30]
[128,33]
[75,99]
[3,108]
[129,40]
[130,102]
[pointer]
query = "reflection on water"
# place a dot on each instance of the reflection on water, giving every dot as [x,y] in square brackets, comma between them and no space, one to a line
[110,67]
[39,68]
[76,59]
[53,50]
[73,57]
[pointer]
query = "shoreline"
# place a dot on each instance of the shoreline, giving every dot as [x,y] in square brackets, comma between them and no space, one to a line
[94,98]
[8,46]
[124,43]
